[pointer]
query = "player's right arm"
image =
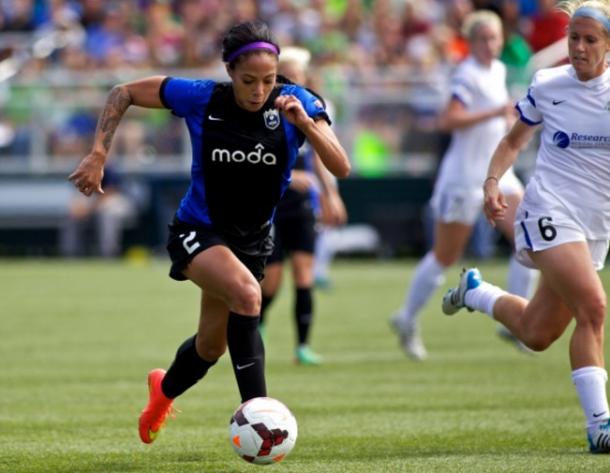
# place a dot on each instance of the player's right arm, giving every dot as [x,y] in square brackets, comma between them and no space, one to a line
[88,175]
[503,158]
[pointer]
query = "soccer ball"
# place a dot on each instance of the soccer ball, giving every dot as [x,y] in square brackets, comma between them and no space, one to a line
[263,431]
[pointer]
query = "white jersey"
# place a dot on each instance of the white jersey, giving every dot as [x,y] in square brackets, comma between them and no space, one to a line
[479,88]
[572,174]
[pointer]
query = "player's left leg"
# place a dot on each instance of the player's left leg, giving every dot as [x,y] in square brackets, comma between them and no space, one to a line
[303,276]
[193,359]
[521,280]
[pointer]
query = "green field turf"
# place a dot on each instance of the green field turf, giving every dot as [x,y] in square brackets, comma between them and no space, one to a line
[79,338]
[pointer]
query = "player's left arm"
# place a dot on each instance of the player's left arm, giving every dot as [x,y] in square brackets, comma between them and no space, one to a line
[319,134]
[333,210]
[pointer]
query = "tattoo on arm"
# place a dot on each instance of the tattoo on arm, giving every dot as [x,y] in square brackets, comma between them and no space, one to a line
[116,105]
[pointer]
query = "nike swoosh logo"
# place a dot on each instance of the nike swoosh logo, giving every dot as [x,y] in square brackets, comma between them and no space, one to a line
[247,365]
[600,414]
[215,119]
[557,102]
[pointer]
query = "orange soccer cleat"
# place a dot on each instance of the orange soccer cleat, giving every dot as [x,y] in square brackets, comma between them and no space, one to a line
[156,411]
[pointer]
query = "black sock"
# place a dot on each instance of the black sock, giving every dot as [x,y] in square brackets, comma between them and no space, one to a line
[266,302]
[247,355]
[188,368]
[303,308]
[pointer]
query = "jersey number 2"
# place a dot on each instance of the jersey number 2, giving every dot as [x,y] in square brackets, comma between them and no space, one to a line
[187,242]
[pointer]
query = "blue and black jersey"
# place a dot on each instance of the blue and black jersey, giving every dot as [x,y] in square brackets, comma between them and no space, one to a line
[293,203]
[241,160]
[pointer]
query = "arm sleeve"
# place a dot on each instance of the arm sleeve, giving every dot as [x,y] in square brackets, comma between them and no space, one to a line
[462,88]
[529,112]
[313,105]
[183,96]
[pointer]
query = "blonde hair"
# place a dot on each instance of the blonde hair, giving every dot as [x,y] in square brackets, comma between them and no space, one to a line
[570,6]
[294,54]
[476,19]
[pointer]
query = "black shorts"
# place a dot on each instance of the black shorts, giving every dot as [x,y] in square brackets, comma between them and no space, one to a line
[185,241]
[296,233]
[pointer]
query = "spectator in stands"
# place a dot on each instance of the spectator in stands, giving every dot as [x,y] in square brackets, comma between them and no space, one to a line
[548,25]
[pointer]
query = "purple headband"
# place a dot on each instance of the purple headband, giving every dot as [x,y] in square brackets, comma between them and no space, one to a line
[251,46]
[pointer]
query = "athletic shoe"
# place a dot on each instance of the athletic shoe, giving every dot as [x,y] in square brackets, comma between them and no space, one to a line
[323,282]
[599,437]
[508,336]
[453,300]
[156,411]
[306,357]
[410,338]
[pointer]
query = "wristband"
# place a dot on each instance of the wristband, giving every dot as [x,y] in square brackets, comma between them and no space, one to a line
[489,178]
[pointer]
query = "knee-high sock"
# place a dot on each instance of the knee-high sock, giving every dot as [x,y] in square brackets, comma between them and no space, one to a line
[247,355]
[265,303]
[429,275]
[521,280]
[303,312]
[590,383]
[188,368]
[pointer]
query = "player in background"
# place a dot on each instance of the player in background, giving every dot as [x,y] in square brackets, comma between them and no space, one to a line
[478,114]
[245,135]
[563,224]
[294,226]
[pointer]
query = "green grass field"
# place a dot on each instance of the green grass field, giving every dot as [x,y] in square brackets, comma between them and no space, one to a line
[79,338]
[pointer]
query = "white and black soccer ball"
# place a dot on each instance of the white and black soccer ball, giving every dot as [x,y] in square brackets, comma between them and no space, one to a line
[263,431]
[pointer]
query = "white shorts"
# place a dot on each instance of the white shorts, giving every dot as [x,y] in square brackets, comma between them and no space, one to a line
[539,231]
[455,204]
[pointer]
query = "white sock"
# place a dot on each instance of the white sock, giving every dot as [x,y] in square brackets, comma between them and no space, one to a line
[521,280]
[429,275]
[590,383]
[483,297]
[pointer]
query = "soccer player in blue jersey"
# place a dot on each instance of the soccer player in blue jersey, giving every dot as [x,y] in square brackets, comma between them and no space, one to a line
[245,135]
[294,227]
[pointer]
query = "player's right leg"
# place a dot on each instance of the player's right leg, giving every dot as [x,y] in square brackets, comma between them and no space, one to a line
[450,239]
[270,287]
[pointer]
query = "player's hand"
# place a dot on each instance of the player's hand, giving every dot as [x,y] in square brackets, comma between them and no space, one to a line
[333,212]
[87,177]
[292,108]
[494,202]
[301,181]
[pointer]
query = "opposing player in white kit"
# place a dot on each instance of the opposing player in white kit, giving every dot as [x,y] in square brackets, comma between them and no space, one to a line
[563,224]
[477,114]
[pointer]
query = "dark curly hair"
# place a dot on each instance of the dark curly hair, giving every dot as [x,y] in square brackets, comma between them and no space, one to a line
[242,34]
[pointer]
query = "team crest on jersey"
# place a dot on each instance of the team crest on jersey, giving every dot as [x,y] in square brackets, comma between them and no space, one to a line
[272,118]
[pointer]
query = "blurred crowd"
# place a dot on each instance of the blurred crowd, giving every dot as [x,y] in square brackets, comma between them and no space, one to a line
[187,33]
[379,43]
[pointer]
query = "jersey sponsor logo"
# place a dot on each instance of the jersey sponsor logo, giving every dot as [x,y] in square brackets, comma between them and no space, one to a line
[238,156]
[215,119]
[272,118]
[561,139]
[557,102]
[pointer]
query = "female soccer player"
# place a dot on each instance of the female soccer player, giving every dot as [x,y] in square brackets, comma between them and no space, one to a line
[477,115]
[294,226]
[563,224]
[245,135]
